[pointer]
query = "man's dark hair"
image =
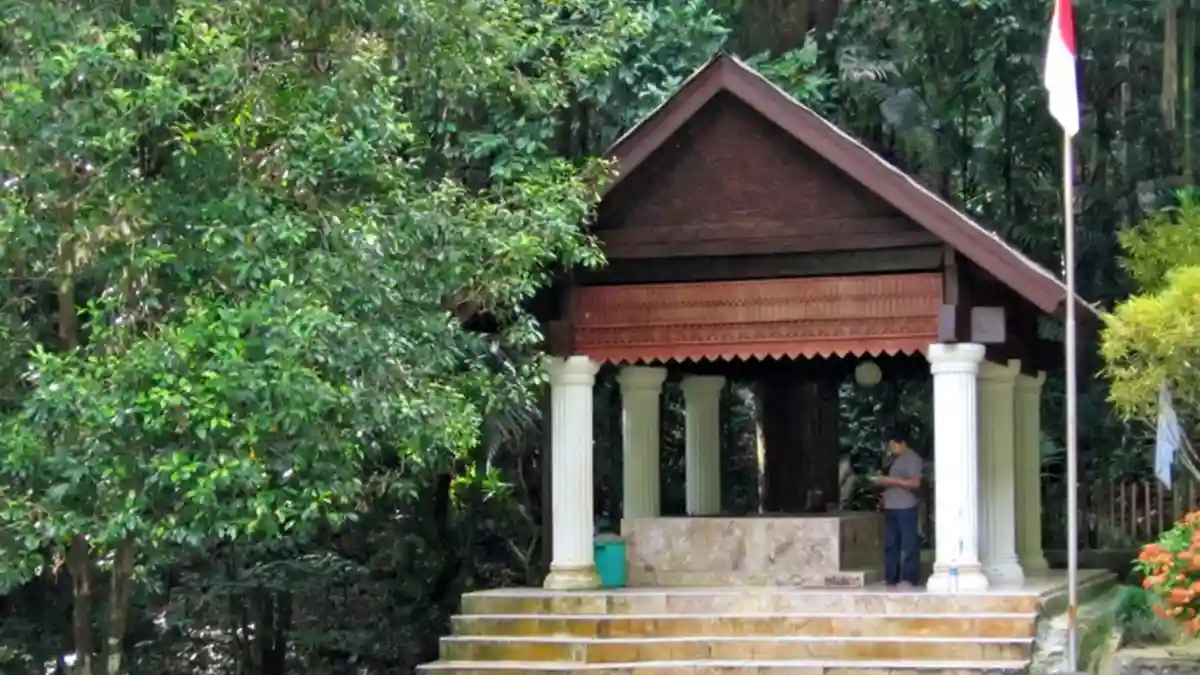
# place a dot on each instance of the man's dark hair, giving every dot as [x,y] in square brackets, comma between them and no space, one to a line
[897,434]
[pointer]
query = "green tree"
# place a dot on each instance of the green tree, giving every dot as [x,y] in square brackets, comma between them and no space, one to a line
[1150,339]
[241,241]
[949,91]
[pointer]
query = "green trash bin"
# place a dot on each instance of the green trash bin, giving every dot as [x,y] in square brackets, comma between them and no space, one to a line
[610,560]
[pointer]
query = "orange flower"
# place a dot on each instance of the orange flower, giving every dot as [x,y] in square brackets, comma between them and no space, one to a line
[1173,575]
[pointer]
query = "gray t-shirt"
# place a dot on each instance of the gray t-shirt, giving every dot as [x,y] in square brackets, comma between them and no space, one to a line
[906,465]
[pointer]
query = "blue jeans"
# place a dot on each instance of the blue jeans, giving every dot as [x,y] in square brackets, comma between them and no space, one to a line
[901,546]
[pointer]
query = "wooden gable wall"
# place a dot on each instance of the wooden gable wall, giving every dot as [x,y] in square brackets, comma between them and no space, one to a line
[732,183]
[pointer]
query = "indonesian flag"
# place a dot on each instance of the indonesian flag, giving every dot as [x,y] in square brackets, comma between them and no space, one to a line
[1059,76]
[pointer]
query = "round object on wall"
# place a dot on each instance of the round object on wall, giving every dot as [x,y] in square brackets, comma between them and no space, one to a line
[868,374]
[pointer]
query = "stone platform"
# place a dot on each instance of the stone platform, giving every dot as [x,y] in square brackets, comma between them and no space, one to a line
[751,630]
[838,550]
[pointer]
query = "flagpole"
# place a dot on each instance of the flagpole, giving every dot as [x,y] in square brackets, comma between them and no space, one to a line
[1071,412]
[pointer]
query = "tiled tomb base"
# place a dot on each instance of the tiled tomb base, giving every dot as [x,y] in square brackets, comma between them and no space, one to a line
[747,630]
[842,550]
[737,667]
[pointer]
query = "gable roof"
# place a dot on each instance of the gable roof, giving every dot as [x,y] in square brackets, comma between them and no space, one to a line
[725,73]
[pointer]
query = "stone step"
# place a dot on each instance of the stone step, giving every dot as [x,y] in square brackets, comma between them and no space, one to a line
[719,625]
[757,600]
[730,668]
[685,579]
[757,649]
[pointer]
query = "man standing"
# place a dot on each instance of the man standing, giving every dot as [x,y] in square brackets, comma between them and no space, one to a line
[901,546]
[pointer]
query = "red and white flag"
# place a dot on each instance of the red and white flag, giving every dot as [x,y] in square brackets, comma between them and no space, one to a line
[1059,76]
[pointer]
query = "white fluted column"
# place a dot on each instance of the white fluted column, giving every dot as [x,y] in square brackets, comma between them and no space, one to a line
[573,566]
[956,567]
[997,482]
[641,388]
[702,459]
[1028,449]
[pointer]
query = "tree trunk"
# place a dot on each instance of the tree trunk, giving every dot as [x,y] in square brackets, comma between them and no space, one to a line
[120,590]
[258,626]
[79,564]
[760,445]
[274,652]
[1168,99]
[239,617]
[1187,85]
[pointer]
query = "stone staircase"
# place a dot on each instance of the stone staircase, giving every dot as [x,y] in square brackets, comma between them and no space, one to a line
[727,631]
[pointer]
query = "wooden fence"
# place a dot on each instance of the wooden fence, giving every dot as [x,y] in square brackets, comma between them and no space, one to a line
[1127,514]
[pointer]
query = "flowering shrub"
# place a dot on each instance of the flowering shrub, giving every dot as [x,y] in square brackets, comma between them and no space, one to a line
[1171,571]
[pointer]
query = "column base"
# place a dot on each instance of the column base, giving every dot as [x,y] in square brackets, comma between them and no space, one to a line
[572,579]
[970,579]
[1007,573]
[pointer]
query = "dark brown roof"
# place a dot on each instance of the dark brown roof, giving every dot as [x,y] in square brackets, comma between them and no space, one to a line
[726,73]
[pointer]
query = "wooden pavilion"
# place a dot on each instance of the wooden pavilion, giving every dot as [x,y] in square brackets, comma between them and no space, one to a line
[749,237]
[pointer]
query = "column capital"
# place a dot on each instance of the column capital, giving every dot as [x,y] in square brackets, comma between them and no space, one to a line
[641,378]
[1031,383]
[699,385]
[961,357]
[578,370]
[994,373]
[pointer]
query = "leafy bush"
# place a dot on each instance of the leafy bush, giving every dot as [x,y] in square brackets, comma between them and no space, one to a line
[1134,616]
[1171,569]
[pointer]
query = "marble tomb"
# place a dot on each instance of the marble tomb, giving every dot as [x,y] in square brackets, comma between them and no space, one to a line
[839,549]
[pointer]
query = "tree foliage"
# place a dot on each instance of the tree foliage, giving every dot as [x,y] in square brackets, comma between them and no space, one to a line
[1149,339]
[261,226]
[1167,240]
[240,239]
